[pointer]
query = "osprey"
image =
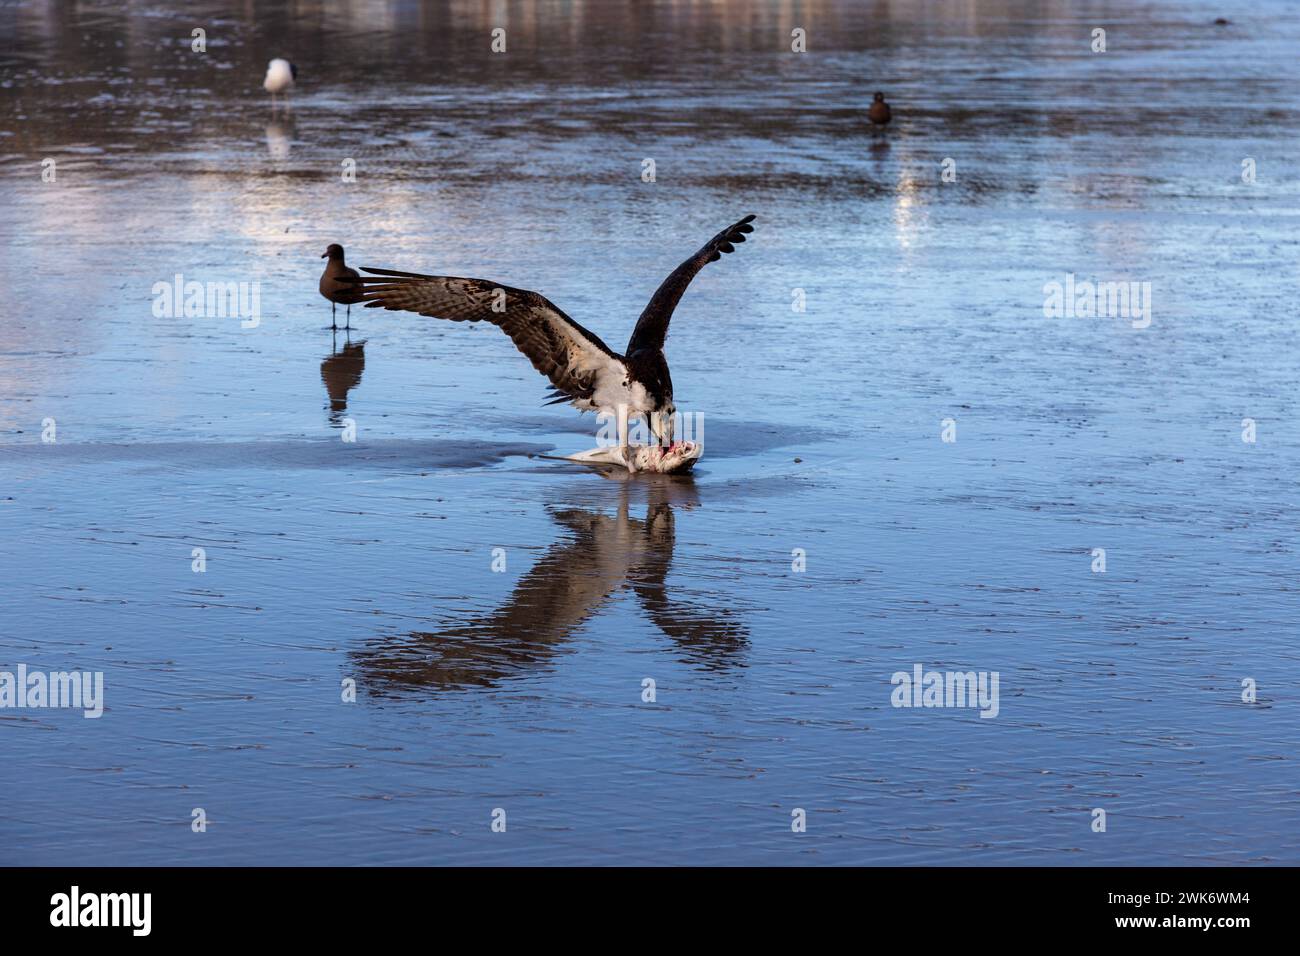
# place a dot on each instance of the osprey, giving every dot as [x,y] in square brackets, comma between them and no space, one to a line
[584,371]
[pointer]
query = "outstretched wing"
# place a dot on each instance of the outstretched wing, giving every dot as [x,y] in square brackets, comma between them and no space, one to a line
[652,328]
[569,355]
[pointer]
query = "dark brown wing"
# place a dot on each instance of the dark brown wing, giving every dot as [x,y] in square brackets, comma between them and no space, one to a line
[652,328]
[569,355]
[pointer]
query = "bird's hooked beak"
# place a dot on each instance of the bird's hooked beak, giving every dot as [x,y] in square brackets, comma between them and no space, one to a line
[662,426]
[324,255]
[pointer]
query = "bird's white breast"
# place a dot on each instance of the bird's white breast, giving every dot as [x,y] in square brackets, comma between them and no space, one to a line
[611,392]
[279,76]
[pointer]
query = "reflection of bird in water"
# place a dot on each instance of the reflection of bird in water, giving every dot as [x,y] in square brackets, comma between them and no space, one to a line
[333,284]
[600,555]
[880,114]
[341,372]
[280,77]
[279,139]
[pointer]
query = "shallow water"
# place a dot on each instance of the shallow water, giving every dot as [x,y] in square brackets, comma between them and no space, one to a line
[521,689]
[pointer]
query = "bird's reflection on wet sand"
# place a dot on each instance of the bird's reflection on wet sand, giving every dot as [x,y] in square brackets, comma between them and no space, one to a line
[599,555]
[280,133]
[341,372]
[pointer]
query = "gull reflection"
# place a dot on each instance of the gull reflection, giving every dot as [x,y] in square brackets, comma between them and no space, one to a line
[279,138]
[599,555]
[341,372]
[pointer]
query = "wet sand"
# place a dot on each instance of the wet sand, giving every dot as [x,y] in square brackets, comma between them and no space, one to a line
[372,560]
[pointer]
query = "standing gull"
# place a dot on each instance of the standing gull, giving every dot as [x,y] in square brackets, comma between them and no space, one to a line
[334,284]
[280,75]
[584,371]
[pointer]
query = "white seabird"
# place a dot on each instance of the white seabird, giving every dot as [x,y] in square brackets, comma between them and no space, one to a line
[280,75]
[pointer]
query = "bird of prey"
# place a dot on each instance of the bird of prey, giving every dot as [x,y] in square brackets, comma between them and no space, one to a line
[584,371]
